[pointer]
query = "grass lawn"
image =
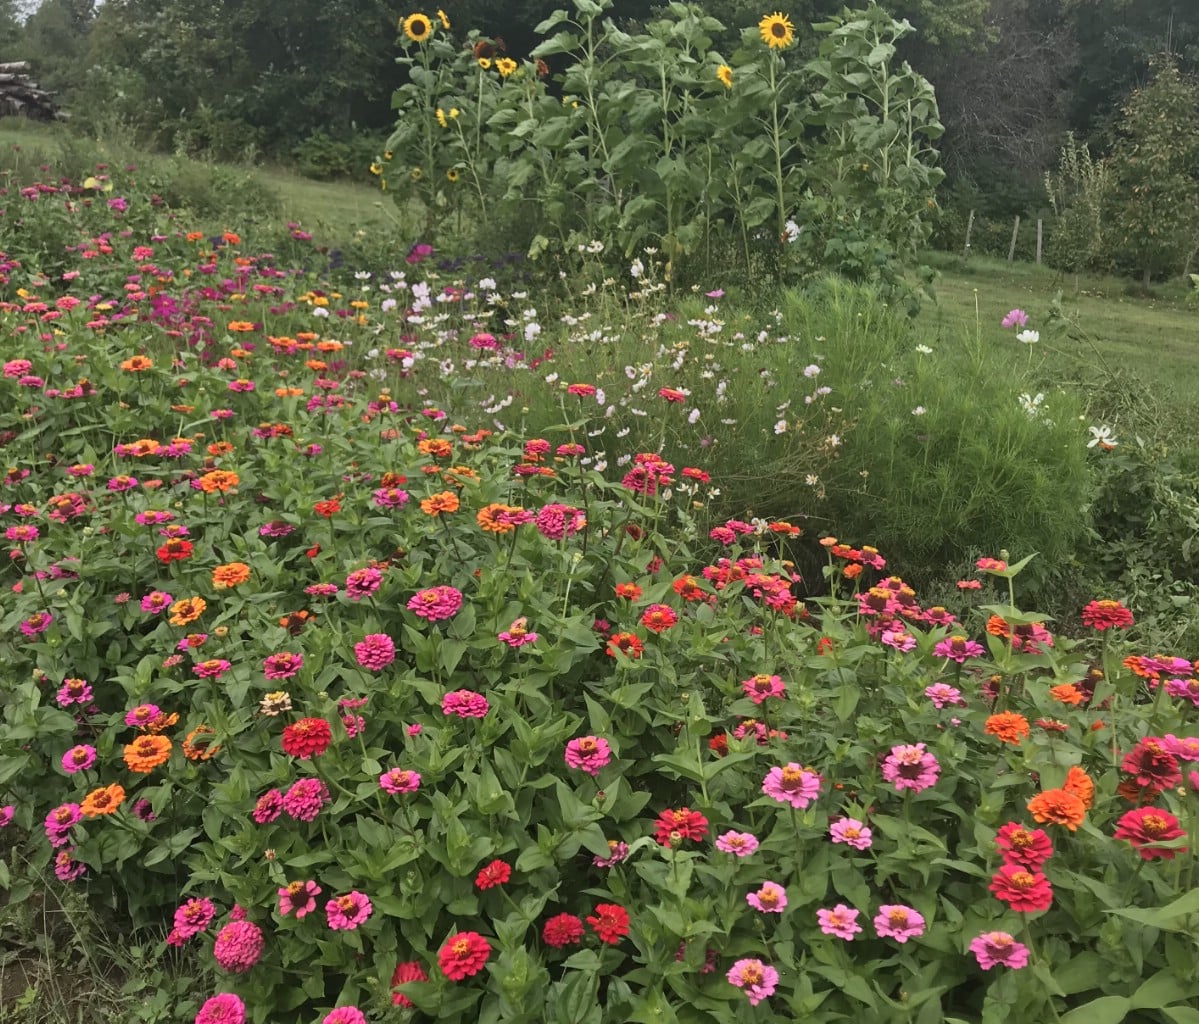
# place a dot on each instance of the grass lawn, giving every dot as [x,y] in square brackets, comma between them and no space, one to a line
[1152,340]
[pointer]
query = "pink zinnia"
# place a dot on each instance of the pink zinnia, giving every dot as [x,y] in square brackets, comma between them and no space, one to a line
[436,603]
[194,916]
[345,1015]
[465,704]
[756,978]
[557,521]
[223,1008]
[992,948]
[739,844]
[942,694]
[588,754]
[793,784]
[268,807]
[375,651]
[851,832]
[157,601]
[142,715]
[345,913]
[78,759]
[758,688]
[283,665]
[770,899]
[300,897]
[238,946]
[958,648]
[214,668]
[305,799]
[37,623]
[898,922]
[517,635]
[841,921]
[399,780]
[911,767]
[74,691]
[362,583]
[60,821]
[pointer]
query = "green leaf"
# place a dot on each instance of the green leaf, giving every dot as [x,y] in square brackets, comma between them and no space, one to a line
[1104,1010]
[1163,987]
[1181,1014]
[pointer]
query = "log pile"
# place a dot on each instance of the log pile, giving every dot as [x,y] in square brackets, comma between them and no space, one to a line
[21,96]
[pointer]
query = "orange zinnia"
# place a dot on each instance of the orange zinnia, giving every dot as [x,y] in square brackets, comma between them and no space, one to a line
[239,326]
[137,363]
[997,626]
[104,800]
[1067,693]
[445,501]
[187,610]
[438,447]
[162,721]
[1007,727]
[198,745]
[146,753]
[1080,784]
[488,518]
[218,480]
[1058,807]
[230,575]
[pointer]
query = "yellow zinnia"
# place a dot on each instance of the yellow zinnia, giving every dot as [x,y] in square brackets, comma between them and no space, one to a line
[418,27]
[777,30]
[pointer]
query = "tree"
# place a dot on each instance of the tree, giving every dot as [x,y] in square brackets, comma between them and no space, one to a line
[1155,170]
[55,40]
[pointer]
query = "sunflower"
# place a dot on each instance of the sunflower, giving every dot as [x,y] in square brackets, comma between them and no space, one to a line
[452,174]
[485,63]
[445,21]
[777,31]
[725,75]
[416,174]
[505,66]
[418,27]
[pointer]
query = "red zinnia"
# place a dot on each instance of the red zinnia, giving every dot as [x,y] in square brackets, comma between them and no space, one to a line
[1021,889]
[562,930]
[1106,615]
[463,955]
[1029,848]
[496,873]
[1144,826]
[175,550]
[307,737]
[1152,766]
[659,617]
[405,972]
[610,922]
[629,644]
[673,826]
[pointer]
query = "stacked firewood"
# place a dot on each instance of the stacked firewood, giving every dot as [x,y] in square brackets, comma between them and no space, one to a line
[21,96]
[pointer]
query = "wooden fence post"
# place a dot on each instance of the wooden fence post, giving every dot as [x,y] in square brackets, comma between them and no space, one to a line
[1039,241]
[1011,249]
[969,228]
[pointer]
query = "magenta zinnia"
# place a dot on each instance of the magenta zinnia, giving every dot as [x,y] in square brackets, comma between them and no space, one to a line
[792,784]
[911,767]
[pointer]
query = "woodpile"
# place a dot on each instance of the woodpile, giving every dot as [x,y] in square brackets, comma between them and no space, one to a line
[21,96]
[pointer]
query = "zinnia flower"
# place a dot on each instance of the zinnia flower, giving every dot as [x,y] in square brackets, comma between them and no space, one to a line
[399,780]
[300,897]
[1146,826]
[758,688]
[759,980]
[792,785]
[305,799]
[406,972]
[992,948]
[238,946]
[309,737]
[194,916]
[1081,785]
[899,923]
[1029,848]
[610,922]
[231,575]
[436,603]
[1007,727]
[1153,767]
[588,754]
[1106,615]
[495,873]
[465,704]
[104,800]
[851,832]
[1021,889]
[674,826]
[463,955]
[770,899]
[958,648]
[223,1008]
[345,1015]
[562,930]
[345,913]
[911,767]
[375,651]
[841,921]
[739,844]
[1058,807]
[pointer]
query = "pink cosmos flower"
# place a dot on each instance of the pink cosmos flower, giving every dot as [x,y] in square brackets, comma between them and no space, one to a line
[238,946]
[465,704]
[194,916]
[739,844]
[282,665]
[992,948]
[78,759]
[306,798]
[770,899]
[758,688]
[345,913]
[588,754]
[375,651]
[436,603]
[362,583]
[759,980]
[793,784]
[223,1008]
[851,832]
[300,897]
[898,922]
[942,694]
[399,780]
[841,921]
[911,767]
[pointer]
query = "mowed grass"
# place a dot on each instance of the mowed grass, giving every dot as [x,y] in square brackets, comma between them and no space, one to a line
[1110,329]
